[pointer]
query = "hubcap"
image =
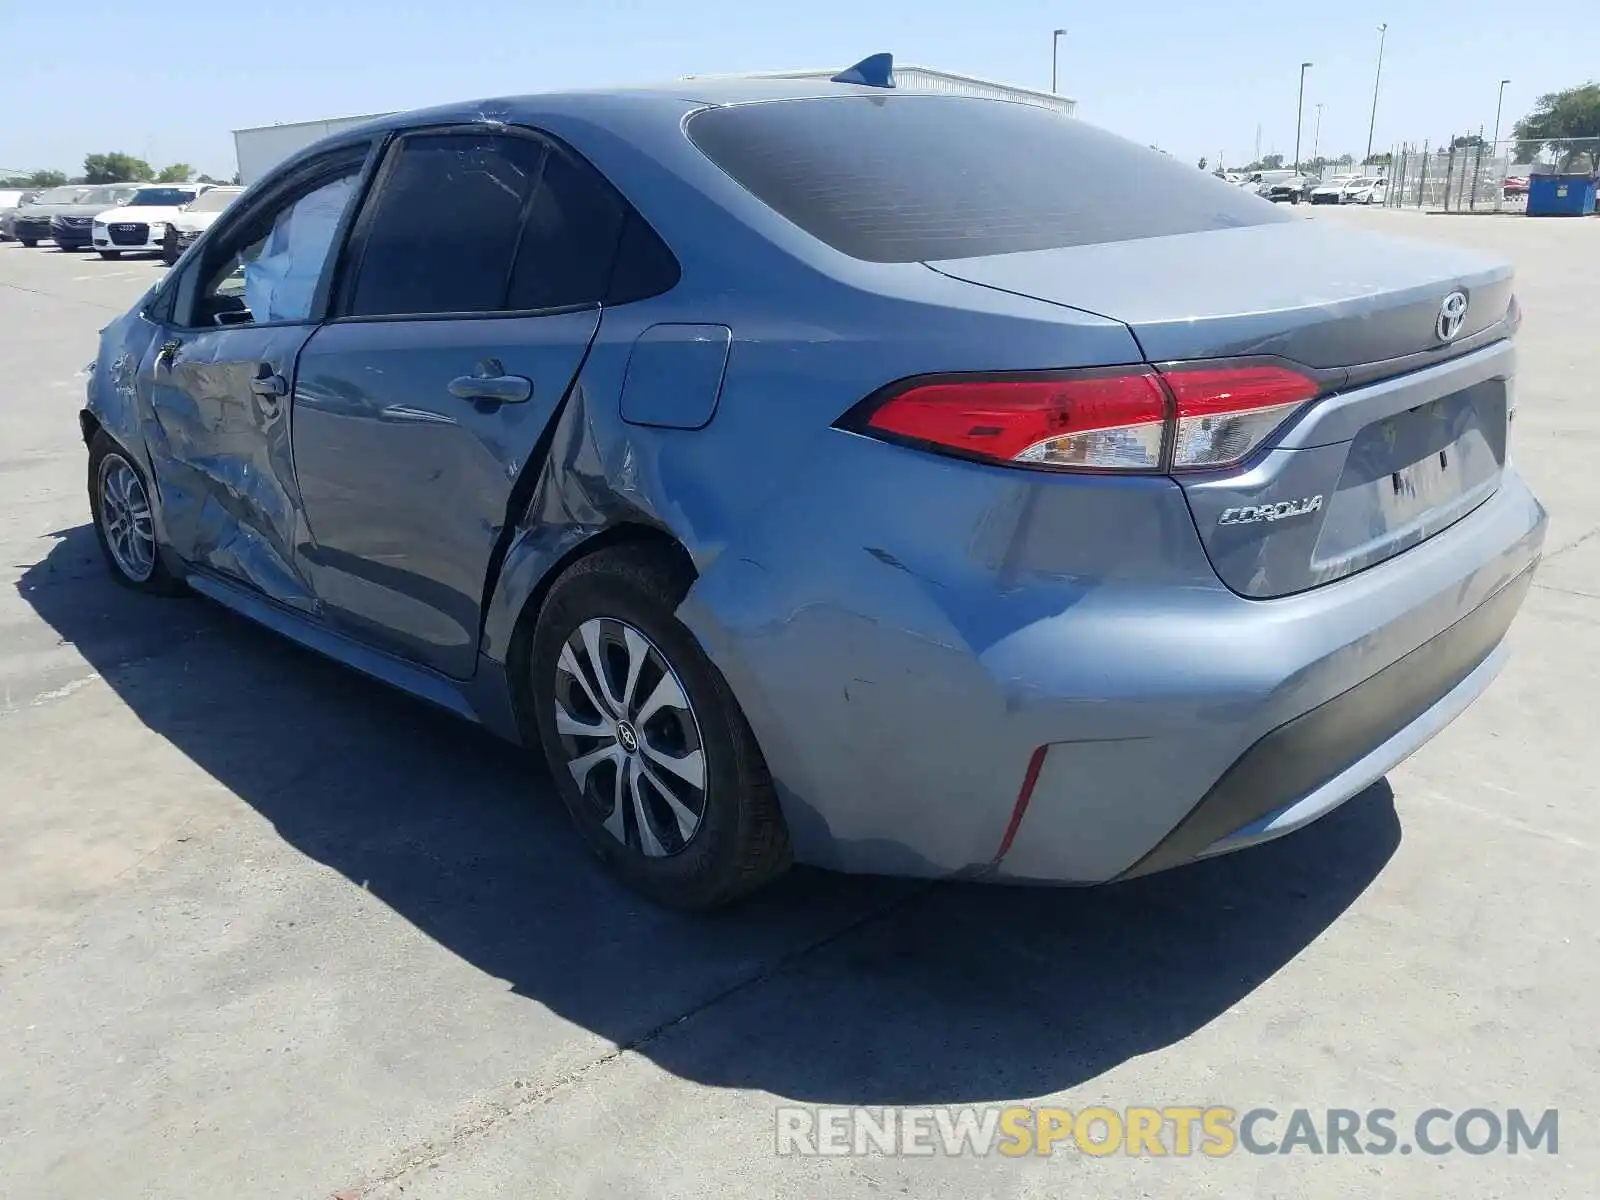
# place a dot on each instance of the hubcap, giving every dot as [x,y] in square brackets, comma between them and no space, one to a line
[125,518]
[631,738]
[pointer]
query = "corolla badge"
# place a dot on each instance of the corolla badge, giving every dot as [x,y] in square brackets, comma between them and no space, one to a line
[1452,316]
[1251,514]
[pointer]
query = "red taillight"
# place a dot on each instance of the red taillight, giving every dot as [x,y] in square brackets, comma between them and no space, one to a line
[1115,421]
[1122,419]
[1225,412]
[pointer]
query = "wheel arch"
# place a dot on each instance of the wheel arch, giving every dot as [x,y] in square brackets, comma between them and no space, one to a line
[620,533]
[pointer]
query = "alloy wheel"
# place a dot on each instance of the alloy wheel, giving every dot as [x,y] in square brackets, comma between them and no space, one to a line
[630,736]
[126,520]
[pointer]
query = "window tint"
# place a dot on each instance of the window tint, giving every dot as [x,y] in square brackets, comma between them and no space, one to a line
[443,230]
[905,178]
[645,267]
[570,242]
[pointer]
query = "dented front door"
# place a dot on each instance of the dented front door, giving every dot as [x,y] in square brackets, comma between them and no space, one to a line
[221,450]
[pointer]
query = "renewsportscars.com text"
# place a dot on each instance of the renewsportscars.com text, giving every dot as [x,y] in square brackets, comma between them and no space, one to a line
[1213,1131]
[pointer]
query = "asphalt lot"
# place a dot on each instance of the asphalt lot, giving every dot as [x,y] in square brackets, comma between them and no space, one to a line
[268,930]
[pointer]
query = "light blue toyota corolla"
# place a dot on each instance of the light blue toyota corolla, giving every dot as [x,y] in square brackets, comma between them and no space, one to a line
[893,482]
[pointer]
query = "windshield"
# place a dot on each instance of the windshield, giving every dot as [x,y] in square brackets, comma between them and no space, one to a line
[214,200]
[161,197]
[60,195]
[105,195]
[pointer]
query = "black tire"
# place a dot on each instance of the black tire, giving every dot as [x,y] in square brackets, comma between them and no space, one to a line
[30,243]
[740,842]
[111,254]
[104,452]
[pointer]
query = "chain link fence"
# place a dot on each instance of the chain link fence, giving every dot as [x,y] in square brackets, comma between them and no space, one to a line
[1472,175]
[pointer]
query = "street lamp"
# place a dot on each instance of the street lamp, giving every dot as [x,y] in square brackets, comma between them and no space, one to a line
[1055,46]
[1299,114]
[1316,138]
[1383,32]
[1495,141]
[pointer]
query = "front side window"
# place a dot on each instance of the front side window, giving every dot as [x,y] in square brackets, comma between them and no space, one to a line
[442,232]
[268,270]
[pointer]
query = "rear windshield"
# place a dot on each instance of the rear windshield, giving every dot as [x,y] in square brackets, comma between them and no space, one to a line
[907,178]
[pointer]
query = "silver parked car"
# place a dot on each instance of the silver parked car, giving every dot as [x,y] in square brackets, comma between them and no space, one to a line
[12,199]
[894,482]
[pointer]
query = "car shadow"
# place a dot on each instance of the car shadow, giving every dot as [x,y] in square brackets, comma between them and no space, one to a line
[825,988]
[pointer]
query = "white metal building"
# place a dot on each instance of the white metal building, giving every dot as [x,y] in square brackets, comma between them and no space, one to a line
[925,79]
[265,146]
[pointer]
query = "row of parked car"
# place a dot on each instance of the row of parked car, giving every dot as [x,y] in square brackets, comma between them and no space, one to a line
[1290,187]
[115,218]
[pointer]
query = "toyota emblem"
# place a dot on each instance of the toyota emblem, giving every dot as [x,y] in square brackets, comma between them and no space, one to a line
[1452,316]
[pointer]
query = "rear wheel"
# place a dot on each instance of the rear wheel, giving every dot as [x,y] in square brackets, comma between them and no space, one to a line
[30,243]
[111,254]
[124,519]
[647,745]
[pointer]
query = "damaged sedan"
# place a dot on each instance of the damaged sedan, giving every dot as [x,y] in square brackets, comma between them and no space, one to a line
[1059,518]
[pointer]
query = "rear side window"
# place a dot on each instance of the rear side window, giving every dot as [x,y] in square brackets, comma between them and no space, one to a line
[482,223]
[570,241]
[909,178]
[444,227]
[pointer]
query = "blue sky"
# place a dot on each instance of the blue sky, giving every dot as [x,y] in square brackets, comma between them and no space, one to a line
[1193,78]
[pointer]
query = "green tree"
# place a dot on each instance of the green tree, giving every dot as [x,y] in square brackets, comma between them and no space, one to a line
[1269,162]
[1202,162]
[36,179]
[1560,122]
[1467,141]
[176,173]
[1380,160]
[115,168]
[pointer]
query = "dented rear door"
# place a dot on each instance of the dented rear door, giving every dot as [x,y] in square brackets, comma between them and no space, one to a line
[476,274]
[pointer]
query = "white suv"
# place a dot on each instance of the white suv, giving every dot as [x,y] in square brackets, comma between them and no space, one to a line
[140,226]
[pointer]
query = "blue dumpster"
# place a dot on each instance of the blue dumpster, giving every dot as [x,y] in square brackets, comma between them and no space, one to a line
[1560,195]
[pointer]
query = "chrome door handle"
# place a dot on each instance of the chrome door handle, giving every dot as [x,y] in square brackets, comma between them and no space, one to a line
[167,354]
[270,386]
[489,383]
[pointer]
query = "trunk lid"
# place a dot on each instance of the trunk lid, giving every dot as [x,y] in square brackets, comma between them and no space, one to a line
[1410,433]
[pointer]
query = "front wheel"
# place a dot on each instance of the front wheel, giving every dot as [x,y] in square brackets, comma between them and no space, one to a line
[111,254]
[646,742]
[124,519]
[30,243]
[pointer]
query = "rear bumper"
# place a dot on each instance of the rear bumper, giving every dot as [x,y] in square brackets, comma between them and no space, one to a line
[910,676]
[1310,765]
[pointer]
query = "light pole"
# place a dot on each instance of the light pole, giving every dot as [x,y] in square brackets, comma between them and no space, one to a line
[1383,33]
[1316,138]
[1299,114]
[1499,100]
[1055,47]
